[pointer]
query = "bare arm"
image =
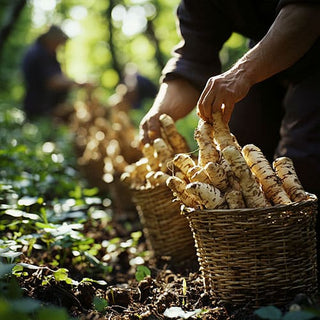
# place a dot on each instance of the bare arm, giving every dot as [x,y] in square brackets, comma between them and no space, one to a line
[176,98]
[60,82]
[292,34]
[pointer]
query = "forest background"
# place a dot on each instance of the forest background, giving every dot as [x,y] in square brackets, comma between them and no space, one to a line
[62,242]
[104,37]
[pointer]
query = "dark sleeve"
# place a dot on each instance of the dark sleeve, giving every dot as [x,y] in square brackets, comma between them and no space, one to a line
[49,66]
[283,3]
[203,29]
[39,66]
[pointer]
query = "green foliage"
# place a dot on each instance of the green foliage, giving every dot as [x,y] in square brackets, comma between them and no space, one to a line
[100,304]
[88,56]
[45,207]
[31,159]
[142,272]
[13,305]
[233,49]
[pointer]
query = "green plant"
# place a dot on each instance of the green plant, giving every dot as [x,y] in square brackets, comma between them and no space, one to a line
[13,305]
[142,272]
[100,304]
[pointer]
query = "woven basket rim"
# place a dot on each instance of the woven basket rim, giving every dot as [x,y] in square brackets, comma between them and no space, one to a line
[312,199]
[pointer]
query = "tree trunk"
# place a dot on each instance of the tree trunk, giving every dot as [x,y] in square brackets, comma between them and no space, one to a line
[115,63]
[151,35]
[7,28]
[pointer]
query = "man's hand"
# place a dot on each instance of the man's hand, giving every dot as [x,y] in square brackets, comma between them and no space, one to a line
[221,93]
[291,35]
[175,98]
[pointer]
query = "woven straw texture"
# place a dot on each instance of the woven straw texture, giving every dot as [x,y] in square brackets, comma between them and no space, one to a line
[166,230]
[256,257]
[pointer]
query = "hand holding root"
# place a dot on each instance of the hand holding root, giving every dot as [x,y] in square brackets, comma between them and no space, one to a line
[175,98]
[221,93]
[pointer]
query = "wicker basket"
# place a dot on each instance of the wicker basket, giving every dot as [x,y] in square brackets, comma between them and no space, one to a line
[256,257]
[166,230]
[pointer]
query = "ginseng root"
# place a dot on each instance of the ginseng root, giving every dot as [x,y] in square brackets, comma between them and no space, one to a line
[183,162]
[270,182]
[252,193]
[149,153]
[207,148]
[198,173]
[285,170]
[175,139]
[164,153]
[217,175]
[234,199]
[221,133]
[206,194]
[178,187]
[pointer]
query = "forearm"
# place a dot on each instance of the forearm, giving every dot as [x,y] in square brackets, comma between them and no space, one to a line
[292,34]
[61,82]
[176,98]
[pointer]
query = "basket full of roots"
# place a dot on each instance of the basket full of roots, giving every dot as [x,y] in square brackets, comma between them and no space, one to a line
[166,230]
[252,222]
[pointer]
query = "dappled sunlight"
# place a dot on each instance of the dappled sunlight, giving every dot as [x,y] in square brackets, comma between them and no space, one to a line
[134,19]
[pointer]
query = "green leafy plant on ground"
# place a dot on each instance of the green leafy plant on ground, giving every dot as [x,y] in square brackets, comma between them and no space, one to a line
[53,227]
[13,305]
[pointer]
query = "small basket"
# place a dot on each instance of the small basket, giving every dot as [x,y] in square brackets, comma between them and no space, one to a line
[256,257]
[166,230]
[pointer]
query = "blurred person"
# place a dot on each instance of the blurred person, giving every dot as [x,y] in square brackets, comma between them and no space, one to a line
[138,87]
[46,86]
[270,97]
[134,90]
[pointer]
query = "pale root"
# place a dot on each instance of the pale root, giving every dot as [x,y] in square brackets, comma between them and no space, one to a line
[198,173]
[164,153]
[165,139]
[270,182]
[136,172]
[221,133]
[234,199]
[285,170]
[108,166]
[126,179]
[161,177]
[206,194]
[119,163]
[155,178]
[149,153]
[252,193]
[113,148]
[183,162]
[178,187]
[207,149]
[232,179]
[217,175]
[138,169]
[181,176]
[175,139]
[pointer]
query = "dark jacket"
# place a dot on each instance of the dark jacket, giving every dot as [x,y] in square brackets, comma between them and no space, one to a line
[205,25]
[38,66]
